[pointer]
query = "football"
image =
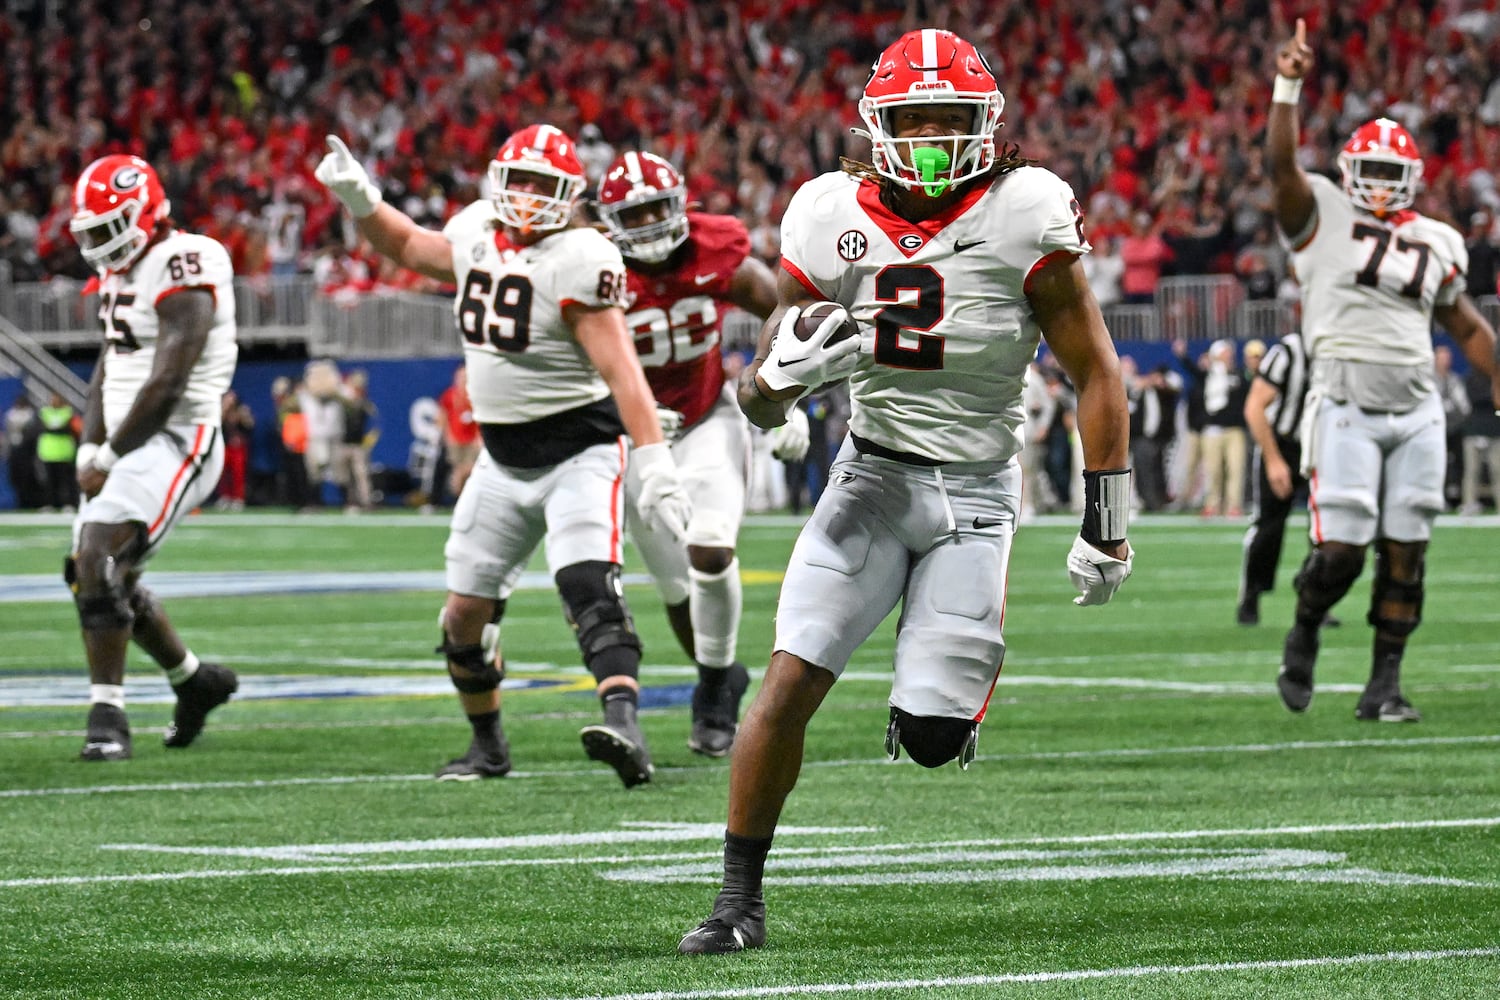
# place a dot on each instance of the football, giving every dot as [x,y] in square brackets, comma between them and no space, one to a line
[813,316]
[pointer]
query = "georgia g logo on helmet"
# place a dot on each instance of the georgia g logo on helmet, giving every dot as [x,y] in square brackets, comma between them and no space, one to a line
[127,179]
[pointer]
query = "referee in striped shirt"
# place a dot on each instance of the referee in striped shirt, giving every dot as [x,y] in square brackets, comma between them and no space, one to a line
[1273,414]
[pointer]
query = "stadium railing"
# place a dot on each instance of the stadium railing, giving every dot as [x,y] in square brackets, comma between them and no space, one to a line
[382,324]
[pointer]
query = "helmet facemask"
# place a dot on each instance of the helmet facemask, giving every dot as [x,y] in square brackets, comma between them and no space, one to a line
[963,155]
[110,241]
[533,211]
[648,229]
[1380,182]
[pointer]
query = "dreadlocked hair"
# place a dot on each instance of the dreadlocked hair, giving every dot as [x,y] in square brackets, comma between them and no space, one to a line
[1010,158]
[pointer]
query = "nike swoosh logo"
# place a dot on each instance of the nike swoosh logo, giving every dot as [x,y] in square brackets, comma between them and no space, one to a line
[703,279]
[983,523]
[961,247]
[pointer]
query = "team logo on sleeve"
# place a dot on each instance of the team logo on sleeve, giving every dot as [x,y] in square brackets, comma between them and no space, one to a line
[852,245]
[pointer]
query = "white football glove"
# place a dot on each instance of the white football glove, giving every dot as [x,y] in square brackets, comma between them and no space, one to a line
[790,441]
[670,420]
[659,496]
[342,174]
[809,363]
[1096,575]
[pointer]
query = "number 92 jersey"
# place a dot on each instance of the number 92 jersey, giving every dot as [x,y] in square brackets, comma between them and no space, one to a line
[1369,286]
[947,330]
[179,262]
[524,362]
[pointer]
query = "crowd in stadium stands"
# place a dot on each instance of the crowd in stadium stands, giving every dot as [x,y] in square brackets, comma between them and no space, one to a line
[1154,113]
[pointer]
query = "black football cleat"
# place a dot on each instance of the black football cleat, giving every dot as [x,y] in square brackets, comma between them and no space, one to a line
[482,760]
[716,712]
[1299,655]
[1392,708]
[618,742]
[108,734]
[208,688]
[726,931]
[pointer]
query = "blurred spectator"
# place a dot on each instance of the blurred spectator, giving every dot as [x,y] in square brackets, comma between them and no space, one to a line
[18,449]
[460,432]
[295,489]
[1481,445]
[56,446]
[1456,409]
[1144,254]
[1036,492]
[323,416]
[1153,427]
[1261,263]
[595,152]
[238,425]
[1224,444]
[1189,495]
[1484,255]
[1104,269]
[360,428]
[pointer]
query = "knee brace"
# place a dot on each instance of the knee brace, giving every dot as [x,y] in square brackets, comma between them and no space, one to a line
[931,741]
[102,604]
[1327,574]
[594,602]
[1395,605]
[480,675]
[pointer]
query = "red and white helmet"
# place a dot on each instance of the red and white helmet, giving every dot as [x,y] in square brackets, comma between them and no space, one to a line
[1381,167]
[545,151]
[643,202]
[117,204]
[931,66]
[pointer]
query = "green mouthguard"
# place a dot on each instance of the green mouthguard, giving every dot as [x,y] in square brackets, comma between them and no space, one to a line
[928,160]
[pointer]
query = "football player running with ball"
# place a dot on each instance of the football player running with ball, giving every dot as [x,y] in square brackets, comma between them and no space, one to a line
[555,384]
[955,259]
[151,448]
[1375,273]
[685,269]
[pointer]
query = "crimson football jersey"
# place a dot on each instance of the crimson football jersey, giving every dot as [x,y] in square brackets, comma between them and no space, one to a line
[675,316]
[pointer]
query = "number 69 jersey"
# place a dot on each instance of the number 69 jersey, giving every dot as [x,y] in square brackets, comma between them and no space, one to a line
[947,330]
[1369,286]
[523,360]
[127,309]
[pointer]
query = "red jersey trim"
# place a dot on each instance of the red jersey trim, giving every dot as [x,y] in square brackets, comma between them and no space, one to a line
[1312,234]
[187,288]
[173,499]
[803,279]
[1041,263]
[895,227]
[616,555]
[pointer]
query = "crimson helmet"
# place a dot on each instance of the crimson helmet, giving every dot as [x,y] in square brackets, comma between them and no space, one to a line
[117,204]
[638,185]
[546,151]
[931,66]
[1381,167]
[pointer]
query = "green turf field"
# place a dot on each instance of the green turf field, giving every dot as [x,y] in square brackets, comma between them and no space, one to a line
[1145,820]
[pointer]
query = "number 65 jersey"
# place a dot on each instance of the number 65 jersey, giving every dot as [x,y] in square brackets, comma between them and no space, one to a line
[524,362]
[947,330]
[127,309]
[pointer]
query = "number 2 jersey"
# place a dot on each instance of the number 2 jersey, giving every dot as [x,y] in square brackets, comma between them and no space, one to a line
[1369,288]
[943,300]
[675,316]
[524,362]
[128,302]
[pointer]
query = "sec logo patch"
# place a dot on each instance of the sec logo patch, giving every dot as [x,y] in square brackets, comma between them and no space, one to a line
[852,245]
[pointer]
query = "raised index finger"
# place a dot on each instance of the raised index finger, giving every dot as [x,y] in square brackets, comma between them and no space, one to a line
[339,149]
[1301,32]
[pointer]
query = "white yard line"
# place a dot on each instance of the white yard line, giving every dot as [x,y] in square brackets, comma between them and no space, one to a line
[1059,976]
[1115,752]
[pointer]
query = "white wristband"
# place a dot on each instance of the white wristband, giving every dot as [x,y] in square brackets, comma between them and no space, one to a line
[105,458]
[1287,90]
[86,453]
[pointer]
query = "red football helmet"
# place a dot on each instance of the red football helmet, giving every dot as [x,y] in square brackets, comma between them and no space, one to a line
[643,202]
[117,204]
[931,66]
[1381,167]
[543,151]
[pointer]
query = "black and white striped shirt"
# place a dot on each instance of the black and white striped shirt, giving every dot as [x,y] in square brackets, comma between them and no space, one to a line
[1285,367]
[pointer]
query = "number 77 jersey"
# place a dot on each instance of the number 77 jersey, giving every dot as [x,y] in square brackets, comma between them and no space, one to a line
[1369,286]
[947,329]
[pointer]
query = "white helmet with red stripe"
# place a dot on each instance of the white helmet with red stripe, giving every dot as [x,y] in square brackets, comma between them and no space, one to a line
[537,151]
[643,202]
[1381,167]
[117,203]
[926,67]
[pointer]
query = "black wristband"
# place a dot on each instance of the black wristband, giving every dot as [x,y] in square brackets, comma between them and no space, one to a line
[1106,506]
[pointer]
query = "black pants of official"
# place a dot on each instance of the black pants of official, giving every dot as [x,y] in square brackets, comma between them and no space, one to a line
[1268,528]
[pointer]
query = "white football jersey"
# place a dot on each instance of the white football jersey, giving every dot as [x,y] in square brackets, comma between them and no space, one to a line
[947,331]
[1369,286]
[524,362]
[127,310]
